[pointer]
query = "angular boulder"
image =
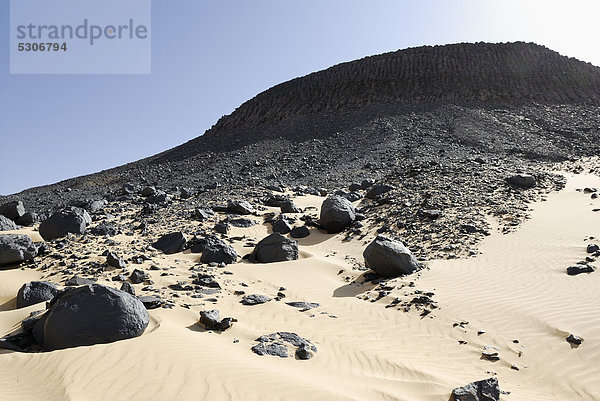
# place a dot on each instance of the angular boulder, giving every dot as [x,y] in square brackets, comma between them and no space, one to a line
[281,226]
[483,390]
[35,292]
[171,243]
[389,258]
[114,260]
[92,314]
[16,248]
[62,223]
[211,320]
[83,213]
[7,224]
[12,210]
[239,207]
[275,248]
[138,276]
[216,251]
[337,213]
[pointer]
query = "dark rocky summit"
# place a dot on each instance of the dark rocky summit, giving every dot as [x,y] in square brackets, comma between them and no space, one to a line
[432,134]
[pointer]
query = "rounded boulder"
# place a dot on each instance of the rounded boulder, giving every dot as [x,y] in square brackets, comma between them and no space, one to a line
[93,314]
[60,224]
[337,213]
[389,258]
[275,248]
[35,292]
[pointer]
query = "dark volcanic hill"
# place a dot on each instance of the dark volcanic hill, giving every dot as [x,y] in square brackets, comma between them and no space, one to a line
[514,106]
[344,95]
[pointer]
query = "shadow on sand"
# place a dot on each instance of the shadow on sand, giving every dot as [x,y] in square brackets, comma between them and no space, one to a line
[358,286]
[9,305]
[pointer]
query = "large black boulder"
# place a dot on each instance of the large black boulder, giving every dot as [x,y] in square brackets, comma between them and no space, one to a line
[171,243]
[7,224]
[16,248]
[337,213]
[92,314]
[275,248]
[35,292]
[61,223]
[483,390]
[389,258]
[216,251]
[12,210]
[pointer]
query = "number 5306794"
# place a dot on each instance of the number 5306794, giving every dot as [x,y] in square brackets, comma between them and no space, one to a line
[42,47]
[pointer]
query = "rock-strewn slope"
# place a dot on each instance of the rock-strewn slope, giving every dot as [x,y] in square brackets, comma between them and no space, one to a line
[514,105]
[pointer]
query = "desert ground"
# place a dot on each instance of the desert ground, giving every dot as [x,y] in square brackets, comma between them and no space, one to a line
[410,338]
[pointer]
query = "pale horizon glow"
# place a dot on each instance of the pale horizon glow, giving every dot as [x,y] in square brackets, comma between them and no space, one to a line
[209,57]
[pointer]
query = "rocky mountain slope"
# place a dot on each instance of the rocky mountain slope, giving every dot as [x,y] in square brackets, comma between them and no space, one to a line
[509,106]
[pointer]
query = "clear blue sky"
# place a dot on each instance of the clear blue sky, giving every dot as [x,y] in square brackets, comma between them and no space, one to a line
[210,56]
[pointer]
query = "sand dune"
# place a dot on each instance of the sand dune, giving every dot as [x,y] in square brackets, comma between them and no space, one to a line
[517,289]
